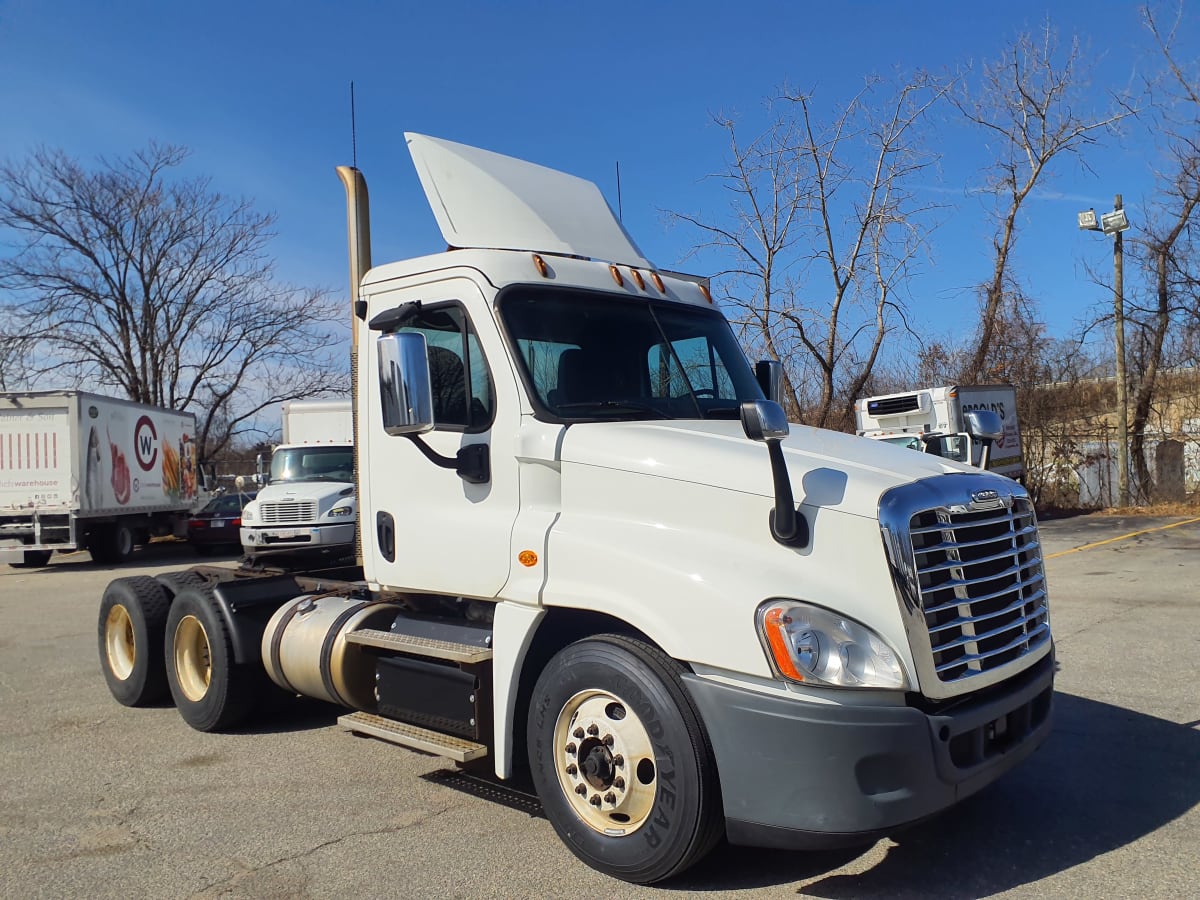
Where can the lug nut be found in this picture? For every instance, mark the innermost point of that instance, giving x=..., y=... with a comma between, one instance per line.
x=577, y=733
x=594, y=800
x=619, y=783
x=572, y=769
x=619, y=761
x=608, y=740
x=581, y=789
x=571, y=748
x=593, y=730
x=610, y=797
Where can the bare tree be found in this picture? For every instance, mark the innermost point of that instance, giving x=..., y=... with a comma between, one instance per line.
x=1167, y=247
x=824, y=231
x=1030, y=103
x=129, y=278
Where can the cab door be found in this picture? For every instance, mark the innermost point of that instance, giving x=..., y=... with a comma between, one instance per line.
x=425, y=528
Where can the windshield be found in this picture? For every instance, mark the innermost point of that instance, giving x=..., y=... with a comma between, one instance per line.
x=312, y=464
x=597, y=356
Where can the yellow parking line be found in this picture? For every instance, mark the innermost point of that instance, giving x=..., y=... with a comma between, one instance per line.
x=1122, y=537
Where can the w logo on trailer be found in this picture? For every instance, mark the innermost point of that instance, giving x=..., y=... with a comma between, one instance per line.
x=145, y=443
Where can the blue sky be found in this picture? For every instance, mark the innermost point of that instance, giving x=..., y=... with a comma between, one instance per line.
x=259, y=92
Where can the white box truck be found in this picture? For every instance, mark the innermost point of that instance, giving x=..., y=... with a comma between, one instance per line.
x=83, y=471
x=308, y=503
x=594, y=549
x=935, y=420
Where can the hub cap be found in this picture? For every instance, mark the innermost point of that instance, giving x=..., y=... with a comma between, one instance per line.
x=605, y=762
x=193, y=658
x=119, y=644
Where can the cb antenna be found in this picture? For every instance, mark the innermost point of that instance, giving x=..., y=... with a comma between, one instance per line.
x=353, y=131
x=620, y=212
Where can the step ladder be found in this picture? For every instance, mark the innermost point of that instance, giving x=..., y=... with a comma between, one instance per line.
x=413, y=736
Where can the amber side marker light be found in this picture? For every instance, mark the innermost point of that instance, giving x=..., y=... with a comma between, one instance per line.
x=774, y=623
x=542, y=268
x=527, y=558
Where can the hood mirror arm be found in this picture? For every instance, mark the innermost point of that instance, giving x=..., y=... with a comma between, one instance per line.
x=764, y=420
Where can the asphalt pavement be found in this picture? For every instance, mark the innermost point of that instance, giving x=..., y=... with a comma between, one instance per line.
x=97, y=800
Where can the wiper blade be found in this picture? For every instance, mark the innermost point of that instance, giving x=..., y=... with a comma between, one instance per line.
x=616, y=406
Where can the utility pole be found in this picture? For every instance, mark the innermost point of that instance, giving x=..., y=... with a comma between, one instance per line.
x=1122, y=385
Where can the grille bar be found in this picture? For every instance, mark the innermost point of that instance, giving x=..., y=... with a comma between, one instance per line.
x=978, y=542
x=1003, y=519
x=971, y=620
x=1042, y=630
x=995, y=632
x=973, y=561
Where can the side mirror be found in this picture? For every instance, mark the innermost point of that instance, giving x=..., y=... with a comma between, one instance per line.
x=405, y=391
x=769, y=375
x=984, y=425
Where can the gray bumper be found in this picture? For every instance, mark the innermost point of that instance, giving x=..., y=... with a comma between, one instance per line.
x=798, y=775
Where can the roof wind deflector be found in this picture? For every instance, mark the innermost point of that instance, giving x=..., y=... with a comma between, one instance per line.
x=485, y=200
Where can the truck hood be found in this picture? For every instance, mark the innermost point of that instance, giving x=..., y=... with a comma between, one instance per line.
x=828, y=469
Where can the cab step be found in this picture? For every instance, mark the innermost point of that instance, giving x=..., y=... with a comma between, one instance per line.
x=419, y=646
x=417, y=738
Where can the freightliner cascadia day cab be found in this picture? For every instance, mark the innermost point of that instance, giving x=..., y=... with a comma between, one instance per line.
x=308, y=504
x=83, y=471
x=592, y=545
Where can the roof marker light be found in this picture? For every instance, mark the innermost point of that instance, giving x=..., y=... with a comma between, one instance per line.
x=542, y=268
x=704, y=291
x=658, y=282
x=638, y=280
x=616, y=274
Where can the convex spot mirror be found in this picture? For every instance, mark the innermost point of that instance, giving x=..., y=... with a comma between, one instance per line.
x=984, y=424
x=764, y=420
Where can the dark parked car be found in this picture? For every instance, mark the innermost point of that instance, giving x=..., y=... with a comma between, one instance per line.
x=218, y=525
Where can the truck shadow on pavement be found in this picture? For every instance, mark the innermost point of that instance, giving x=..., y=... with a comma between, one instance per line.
x=1106, y=777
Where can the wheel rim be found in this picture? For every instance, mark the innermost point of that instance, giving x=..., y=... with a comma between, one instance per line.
x=605, y=763
x=119, y=644
x=193, y=658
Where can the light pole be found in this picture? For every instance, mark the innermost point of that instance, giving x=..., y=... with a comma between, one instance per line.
x=1114, y=223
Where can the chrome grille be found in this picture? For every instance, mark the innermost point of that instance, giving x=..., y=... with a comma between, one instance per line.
x=967, y=562
x=286, y=512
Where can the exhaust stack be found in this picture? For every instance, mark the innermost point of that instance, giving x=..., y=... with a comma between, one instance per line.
x=358, y=226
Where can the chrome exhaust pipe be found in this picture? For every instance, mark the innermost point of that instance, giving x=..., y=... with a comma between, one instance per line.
x=358, y=227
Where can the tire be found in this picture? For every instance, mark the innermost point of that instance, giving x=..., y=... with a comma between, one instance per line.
x=133, y=620
x=100, y=547
x=655, y=780
x=123, y=541
x=211, y=692
x=33, y=559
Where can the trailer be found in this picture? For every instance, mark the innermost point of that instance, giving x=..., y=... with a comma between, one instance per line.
x=84, y=471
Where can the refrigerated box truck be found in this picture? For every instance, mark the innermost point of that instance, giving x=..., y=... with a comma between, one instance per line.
x=84, y=471
x=935, y=419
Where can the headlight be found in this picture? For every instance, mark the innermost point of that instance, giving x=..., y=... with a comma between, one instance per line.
x=338, y=511
x=816, y=646
x=248, y=514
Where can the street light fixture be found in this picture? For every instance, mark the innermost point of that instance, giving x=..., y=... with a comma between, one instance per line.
x=1114, y=223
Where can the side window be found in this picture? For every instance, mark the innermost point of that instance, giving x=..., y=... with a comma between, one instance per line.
x=458, y=373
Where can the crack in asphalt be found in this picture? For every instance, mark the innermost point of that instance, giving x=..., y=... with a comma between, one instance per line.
x=218, y=887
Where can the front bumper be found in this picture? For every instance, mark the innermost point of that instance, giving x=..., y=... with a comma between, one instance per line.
x=801, y=775
x=296, y=537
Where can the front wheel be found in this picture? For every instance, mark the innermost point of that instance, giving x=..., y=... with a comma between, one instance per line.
x=211, y=691
x=621, y=761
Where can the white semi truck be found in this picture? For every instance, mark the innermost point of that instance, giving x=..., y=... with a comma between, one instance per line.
x=947, y=421
x=308, y=504
x=84, y=471
x=592, y=547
